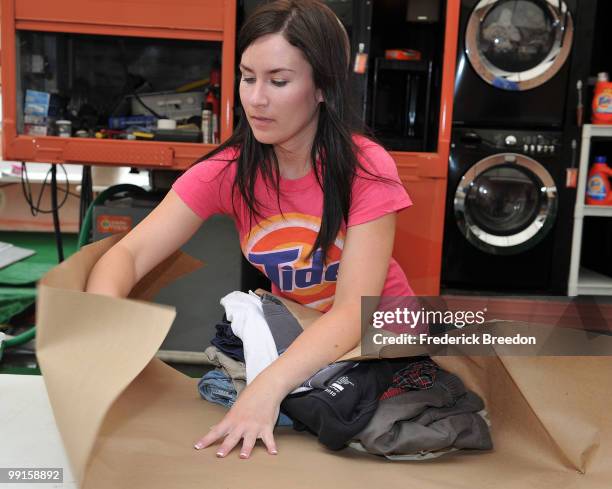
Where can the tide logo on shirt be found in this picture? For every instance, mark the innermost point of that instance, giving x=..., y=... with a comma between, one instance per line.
x=279, y=247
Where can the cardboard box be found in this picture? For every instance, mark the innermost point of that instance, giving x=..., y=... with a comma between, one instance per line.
x=41, y=103
x=127, y=420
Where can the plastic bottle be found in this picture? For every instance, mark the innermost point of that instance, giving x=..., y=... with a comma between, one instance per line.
x=215, y=77
x=207, y=137
x=602, y=100
x=598, y=190
x=213, y=101
x=213, y=97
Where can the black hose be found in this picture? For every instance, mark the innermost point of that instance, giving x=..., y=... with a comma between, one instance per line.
x=86, y=194
x=55, y=211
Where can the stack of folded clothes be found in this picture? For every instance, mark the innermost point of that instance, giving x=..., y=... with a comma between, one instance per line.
x=418, y=423
x=402, y=409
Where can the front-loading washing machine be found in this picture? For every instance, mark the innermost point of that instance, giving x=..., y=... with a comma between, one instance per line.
x=513, y=62
x=502, y=209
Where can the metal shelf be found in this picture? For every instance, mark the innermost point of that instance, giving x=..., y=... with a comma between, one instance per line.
x=593, y=283
x=402, y=65
x=597, y=131
x=597, y=210
x=581, y=280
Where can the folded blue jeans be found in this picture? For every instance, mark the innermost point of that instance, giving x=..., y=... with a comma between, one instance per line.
x=217, y=387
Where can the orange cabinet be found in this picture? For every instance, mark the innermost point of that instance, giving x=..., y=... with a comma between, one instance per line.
x=419, y=232
x=419, y=229
x=40, y=41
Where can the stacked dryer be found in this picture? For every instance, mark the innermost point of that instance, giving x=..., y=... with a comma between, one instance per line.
x=506, y=180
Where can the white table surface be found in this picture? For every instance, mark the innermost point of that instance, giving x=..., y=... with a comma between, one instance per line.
x=28, y=433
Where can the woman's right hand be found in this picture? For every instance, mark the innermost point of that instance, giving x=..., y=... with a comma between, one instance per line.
x=252, y=417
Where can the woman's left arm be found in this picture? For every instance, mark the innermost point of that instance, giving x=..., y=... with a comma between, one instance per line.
x=362, y=272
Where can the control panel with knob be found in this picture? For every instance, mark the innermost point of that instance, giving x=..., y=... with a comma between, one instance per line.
x=529, y=143
x=537, y=144
x=510, y=140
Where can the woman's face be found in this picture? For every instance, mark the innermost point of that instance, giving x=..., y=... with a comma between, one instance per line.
x=278, y=93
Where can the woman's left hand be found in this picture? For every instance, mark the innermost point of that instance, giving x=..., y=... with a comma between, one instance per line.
x=253, y=416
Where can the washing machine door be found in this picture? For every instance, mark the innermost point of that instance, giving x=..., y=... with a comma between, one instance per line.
x=506, y=204
x=518, y=44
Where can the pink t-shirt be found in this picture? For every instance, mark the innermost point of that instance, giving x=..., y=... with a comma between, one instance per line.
x=279, y=244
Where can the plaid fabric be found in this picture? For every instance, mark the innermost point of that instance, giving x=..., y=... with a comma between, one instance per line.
x=416, y=376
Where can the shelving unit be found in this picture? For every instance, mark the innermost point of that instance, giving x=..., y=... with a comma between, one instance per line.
x=583, y=281
x=205, y=21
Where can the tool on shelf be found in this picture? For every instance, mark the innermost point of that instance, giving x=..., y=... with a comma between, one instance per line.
x=571, y=173
x=580, y=105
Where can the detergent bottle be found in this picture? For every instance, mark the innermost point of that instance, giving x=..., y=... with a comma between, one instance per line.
x=213, y=97
x=602, y=100
x=598, y=187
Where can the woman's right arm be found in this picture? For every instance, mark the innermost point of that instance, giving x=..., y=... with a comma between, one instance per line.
x=162, y=232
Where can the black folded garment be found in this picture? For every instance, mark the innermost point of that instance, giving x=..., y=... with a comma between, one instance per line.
x=344, y=408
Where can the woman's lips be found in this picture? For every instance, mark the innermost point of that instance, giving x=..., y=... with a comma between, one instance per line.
x=260, y=121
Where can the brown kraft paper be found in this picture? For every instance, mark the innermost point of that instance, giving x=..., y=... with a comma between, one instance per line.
x=128, y=420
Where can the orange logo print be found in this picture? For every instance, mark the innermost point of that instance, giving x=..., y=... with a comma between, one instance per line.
x=279, y=247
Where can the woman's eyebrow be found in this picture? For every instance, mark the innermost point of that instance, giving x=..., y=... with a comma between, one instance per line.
x=275, y=70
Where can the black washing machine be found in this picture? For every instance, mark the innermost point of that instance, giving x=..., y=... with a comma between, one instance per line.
x=512, y=66
x=502, y=209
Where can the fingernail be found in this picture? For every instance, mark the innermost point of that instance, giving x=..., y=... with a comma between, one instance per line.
x=197, y=446
x=273, y=452
x=244, y=455
x=220, y=454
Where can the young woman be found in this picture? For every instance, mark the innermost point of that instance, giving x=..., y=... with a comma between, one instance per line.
x=314, y=204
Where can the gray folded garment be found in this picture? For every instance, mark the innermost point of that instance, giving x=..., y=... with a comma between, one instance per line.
x=283, y=325
x=285, y=328
x=444, y=416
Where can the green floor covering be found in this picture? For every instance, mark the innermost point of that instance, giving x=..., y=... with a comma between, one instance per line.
x=18, y=281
